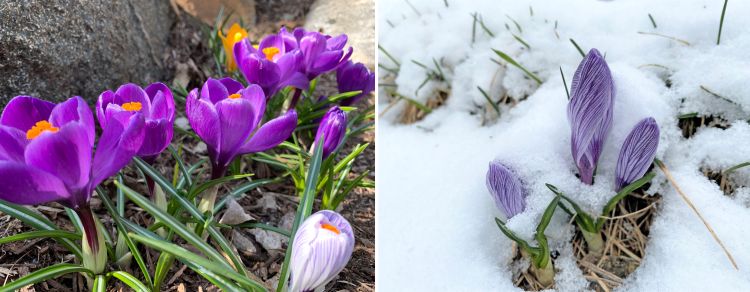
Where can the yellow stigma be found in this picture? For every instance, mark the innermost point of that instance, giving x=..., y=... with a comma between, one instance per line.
x=39, y=128
x=132, y=106
x=234, y=96
x=270, y=52
x=238, y=37
x=330, y=227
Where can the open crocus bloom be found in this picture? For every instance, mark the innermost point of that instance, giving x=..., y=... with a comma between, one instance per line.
x=273, y=66
x=46, y=156
x=155, y=103
x=322, y=53
x=227, y=117
x=322, y=247
x=236, y=33
x=354, y=77
x=592, y=95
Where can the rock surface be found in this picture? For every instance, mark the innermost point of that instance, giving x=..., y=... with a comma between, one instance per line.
x=56, y=49
x=356, y=18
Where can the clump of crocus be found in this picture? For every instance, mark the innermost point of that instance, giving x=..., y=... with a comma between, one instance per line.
x=322, y=53
x=274, y=65
x=636, y=156
x=46, y=154
x=637, y=153
x=227, y=117
x=322, y=247
x=236, y=34
x=332, y=130
x=354, y=77
x=509, y=196
x=590, y=112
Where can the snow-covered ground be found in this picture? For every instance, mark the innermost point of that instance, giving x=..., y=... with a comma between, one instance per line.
x=434, y=214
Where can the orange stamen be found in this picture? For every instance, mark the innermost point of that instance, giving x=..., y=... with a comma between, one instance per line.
x=270, y=52
x=330, y=227
x=234, y=96
x=133, y=106
x=39, y=128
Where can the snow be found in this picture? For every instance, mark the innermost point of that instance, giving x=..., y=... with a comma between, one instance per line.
x=435, y=216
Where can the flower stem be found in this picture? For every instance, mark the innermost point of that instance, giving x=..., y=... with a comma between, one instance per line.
x=295, y=98
x=94, y=251
x=595, y=243
x=545, y=275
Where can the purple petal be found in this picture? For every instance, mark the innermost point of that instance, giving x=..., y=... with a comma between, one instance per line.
x=312, y=45
x=133, y=93
x=637, y=153
x=75, y=109
x=65, y=154
x=505, y=189
x=162, y=101
x=104, y=100
x=323, y=246
x=119, y=142
x=272, y=41
x=326, y=61
x=271, y=133
x=232, y=86
x=204, y=120
x=337, y=42
x=213, y=90
x=254, y=94
x=22, y=112
x=236, y=124
x=590, y=112
x=21, y=184
x=158, y=135
x=12, y=144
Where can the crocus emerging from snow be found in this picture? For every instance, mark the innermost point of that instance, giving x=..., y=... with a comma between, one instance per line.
x=322, y=53
x=236, y=33
x=46, y=156
x=354, y=77
x=322, y=246
x=506, y=189
x=333, y=128
x=227, y=117
x=590, y=112
x=637, y=152
x=155, y=103
x=275, y=64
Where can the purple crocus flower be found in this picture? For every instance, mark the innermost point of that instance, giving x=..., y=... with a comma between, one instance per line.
x=506, y=189
x=637, y=153
x=322, y=247
x=353, y=77
x=273, y=65
x=46, y=156
x=590, y=112
x=322, y=53
x=227, y=117
x=332, y=128
x=155, y=103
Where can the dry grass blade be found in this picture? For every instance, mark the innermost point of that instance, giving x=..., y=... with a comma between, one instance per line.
x=690, y=204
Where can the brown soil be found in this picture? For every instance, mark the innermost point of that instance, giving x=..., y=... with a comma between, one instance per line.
x=690, y=125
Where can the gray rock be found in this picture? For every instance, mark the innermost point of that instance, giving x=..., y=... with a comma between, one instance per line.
x=54, y=49
x=356, y=18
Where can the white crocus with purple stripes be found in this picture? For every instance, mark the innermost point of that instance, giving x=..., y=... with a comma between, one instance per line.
x=637, y=153
x=505, y=189
x=322, y=247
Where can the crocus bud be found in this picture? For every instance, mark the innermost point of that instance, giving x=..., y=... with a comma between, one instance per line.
x=590, y=112
x=353, y=77
x=505, y=189
x=332, y=128
x=637, y=153
x=322, y=246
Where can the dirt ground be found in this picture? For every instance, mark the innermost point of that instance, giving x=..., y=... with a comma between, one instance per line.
x=272, y=204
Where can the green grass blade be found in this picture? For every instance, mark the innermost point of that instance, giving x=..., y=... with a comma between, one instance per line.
x=100, y=284
x=204, y=186
x=621, y=195
x=44, y=274
x=512, y=236
x=303, y=210
x=241, y=190
x=181, y=165
x=130, y=280
x=721, y=22
x=39, y=222
x=736, y=167
x=487, y=97
x=184, y=255
x=40, y=234
x=214, y=278
x=565, y=84
x=580, y=51
x=583, y=219
x=517, y=65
